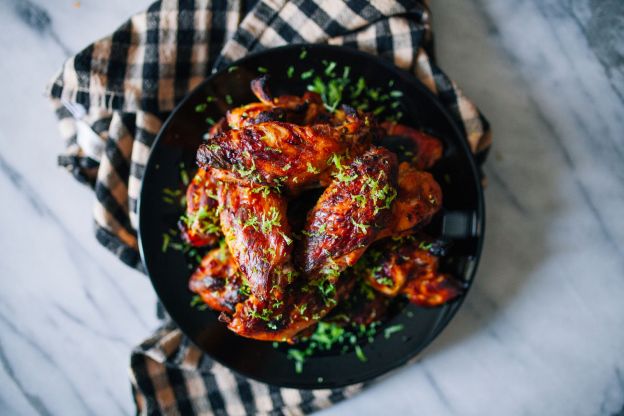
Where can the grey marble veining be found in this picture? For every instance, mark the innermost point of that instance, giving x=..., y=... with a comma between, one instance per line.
x=542, y=330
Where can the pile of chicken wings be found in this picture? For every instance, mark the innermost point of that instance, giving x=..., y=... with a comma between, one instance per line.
x=309, y=212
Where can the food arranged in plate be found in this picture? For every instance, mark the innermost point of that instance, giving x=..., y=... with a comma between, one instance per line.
x=310, y=214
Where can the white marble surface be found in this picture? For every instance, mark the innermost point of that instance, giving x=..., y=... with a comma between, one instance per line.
x=542, y=331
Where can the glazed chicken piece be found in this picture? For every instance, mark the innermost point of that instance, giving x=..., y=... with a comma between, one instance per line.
x=287, y=108
x=256, y=231
x=409, y=268
x=199, y=226
x=218, y=281
x=350, y=213
x=421, y=149
x=301, y=307
x=284, y=154
x=419, y=199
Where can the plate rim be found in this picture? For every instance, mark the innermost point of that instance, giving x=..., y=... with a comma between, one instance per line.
x=475, y=177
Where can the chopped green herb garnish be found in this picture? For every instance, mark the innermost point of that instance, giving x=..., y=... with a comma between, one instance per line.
x=198, y=302
x=312, y=169
x=165, y=243
x=184, y=177
x=360, y=354
x=392, y=329
x=307, y=74
x=271, y=220
x=424, y=245
x=228, y=99
x=201, y=107
x=210, y=121
x=288, y=240
x=359, y=199
x=303, y=54
x=291, y=71
x=262, y=70
x=329, y=69
x=360, y=226
x=386, y=281
x=232, y=68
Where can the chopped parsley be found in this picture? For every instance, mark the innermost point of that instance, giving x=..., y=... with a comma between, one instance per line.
x=273, y=219
x=392, y=329
x=198, y=302
x=361, y=227
x=307, y=74
x=312, y=169
x=165, y=243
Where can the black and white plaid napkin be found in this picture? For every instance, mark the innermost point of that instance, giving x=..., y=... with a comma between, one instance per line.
x=112, y=98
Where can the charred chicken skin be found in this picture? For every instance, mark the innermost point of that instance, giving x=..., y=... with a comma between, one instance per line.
x=422, y=149
x=351, y=212
x=256, y=231
x=284, y=155
x=419, y=199
x=410, y=269
x=272, y=282
x=199, y=226
x=218, y=281
x=304, y=110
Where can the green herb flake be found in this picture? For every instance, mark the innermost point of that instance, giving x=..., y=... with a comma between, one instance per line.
x=262, y=70
x=210, y=121
x=198, y=302
x=288, y=240
x=291, y=71
x=232, y=69
x=201, y=107
x=360, y=226
x=184, y=177
x=303, y=54
x=360, y=354
x=165, y=243
x=307, y=74
x=330, y=68
x=392, y=330
x=312, y=169
x=228, y=99
x=424, y=245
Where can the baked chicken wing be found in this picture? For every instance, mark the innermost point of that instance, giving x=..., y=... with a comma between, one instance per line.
x=256, y=231
x=351, y=212
x=409, y=268
x=285, y=155
x=419, y=199
x=421, y=149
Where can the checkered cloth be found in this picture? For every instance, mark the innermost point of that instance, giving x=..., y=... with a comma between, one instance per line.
x=112, y=98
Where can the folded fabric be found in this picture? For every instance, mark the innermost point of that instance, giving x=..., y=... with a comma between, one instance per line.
x=112, y=98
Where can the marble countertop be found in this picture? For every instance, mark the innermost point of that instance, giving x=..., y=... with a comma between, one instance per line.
x=541, y=332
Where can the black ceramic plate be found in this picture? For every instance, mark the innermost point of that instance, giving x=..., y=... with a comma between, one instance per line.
x=460, y=221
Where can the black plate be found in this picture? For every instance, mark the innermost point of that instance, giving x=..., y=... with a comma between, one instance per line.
x=461, y=220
